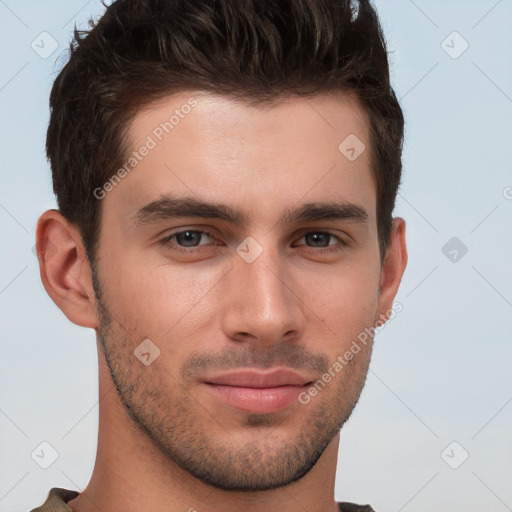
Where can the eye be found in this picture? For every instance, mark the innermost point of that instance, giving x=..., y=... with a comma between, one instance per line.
x=320, y=239
x=189, y=238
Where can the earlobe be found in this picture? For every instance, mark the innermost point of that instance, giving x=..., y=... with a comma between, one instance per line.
x=64, y=268
x=393, y=267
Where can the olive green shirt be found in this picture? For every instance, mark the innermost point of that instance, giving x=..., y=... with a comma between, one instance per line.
x=58, y=498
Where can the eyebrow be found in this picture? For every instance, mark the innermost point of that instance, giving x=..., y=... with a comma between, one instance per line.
x=170, y=207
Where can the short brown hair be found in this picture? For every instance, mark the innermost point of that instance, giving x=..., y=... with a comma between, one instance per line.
x=255, y=50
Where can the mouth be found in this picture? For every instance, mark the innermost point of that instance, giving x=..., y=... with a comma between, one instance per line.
x=258, y=392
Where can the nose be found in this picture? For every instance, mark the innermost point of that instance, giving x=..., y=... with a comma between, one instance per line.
x=262, y=305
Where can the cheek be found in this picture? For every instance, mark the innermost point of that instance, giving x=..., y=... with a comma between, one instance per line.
x=157, y=300
x=344, y=300
x=168, y=301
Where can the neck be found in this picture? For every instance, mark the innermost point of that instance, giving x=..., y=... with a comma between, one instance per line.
x=132, y=473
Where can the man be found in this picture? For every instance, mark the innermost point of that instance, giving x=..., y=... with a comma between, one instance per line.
x=226, y=173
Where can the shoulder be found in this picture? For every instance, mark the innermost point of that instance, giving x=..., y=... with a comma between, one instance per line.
x=57, y=500
x=352, y=507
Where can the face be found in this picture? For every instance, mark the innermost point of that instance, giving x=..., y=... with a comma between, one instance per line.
x=242, y=247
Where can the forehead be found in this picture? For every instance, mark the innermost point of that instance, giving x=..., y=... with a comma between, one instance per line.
x=214, y=116
x=259, y=158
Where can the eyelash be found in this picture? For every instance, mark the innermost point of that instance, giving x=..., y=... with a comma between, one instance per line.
x=166, y=242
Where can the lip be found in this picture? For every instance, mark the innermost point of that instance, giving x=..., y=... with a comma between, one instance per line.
x=258, y=392
x=257, y=379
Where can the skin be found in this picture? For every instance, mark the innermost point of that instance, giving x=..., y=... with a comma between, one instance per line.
x=164, y=438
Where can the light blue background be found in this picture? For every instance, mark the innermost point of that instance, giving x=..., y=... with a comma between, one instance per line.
x=441, y=370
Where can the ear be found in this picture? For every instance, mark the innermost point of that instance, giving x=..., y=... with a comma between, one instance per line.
x=65, y=270
x=393, y=267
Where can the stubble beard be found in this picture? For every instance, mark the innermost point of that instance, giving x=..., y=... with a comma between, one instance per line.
x=182, y=430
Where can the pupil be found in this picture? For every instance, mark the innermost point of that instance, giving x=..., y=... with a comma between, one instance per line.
x=188, y=236
x=319, y=237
